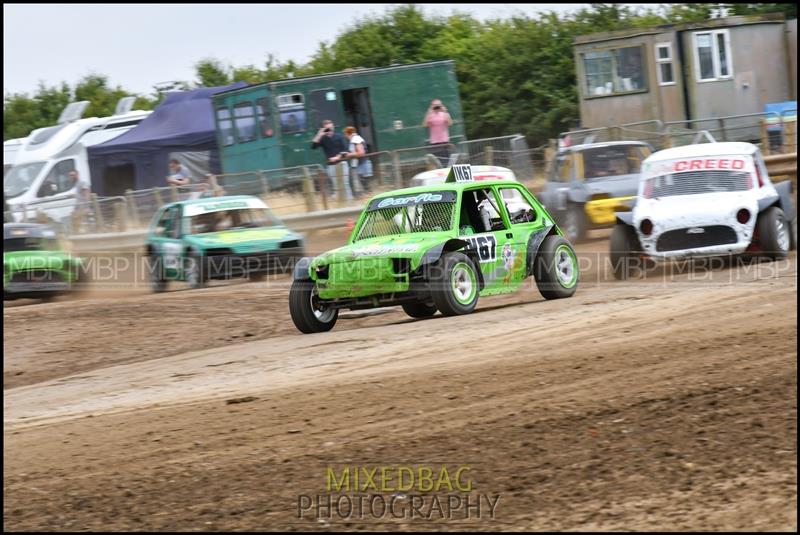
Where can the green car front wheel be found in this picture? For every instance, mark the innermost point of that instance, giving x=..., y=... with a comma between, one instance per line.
x=455, y=284
x=308, y=314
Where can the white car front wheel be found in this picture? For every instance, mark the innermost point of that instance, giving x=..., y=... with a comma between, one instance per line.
x=774, y=233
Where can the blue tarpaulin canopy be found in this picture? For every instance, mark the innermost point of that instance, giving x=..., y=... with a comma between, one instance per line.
x=139, y=158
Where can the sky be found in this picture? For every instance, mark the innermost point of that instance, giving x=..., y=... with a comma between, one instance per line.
x=138, y=46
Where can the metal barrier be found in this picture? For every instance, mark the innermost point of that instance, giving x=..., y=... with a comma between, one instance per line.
x=771, y=131
x=291, y=191
x=71, y=216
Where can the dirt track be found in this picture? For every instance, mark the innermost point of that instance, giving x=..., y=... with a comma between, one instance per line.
x=668, y=403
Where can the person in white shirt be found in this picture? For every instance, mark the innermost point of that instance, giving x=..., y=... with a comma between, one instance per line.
x=357, y=149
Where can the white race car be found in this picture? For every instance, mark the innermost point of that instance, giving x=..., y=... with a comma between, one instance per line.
x=517, y=207
x=709, y=199
x=479, y=172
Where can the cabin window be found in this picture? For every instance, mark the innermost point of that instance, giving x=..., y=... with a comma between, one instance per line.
x=292, y=113
x=666, y=75
x=58, y=180
x=264, y=117
x=244, y=121
x=712, y=56
x=610, y=72
x=225, y=125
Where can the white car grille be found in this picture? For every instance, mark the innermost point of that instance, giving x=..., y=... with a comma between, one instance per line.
x=696, y=182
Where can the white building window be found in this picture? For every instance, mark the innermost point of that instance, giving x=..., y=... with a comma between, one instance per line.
x=610, y=72
x=712, y=56
x=666, y=74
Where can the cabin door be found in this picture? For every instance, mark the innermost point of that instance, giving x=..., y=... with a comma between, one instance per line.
x=358, y=113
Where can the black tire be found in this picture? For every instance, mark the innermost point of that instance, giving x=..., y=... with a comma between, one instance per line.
x=305, y=316
x=419, y=310
x=793, y=234
x=194, y=270
x=455, y=284
x=623, y=251
x=158, y=279
x=556, y=268
x=575, y=223
x=773, y=233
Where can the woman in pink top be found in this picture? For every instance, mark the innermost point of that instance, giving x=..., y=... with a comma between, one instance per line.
x=438, y=122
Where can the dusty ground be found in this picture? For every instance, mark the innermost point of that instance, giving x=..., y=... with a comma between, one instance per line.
x=666, y=403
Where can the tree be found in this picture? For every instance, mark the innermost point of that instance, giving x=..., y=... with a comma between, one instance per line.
x=212, y=73
x=515, y=75
x=102, y=98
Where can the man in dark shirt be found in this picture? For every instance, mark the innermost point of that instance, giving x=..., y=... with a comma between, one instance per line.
x=334, y=145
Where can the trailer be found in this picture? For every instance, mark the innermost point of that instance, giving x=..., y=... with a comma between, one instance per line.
x=270, y=125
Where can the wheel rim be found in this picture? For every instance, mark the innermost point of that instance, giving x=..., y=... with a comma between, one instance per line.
x=566, y=268
x=782, y=233
x=325, y=316
x=463, y=283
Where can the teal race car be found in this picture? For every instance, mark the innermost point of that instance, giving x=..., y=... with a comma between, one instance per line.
x=436, y=248
x=35, y=265
x=218, y=238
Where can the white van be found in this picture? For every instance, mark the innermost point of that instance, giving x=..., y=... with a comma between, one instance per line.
x=39, y=181
x=10, y=149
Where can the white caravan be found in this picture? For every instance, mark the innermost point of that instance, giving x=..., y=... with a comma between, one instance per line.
x=10, y=149
x=39, y=181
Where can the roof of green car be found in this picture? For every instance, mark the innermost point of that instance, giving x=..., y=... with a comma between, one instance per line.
x=446, y=186
x=206, y=200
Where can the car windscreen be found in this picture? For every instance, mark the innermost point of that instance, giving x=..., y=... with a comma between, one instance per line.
x=697, y=176
x=12, y=245
x=604, y=162
x=230, y=219
x=403, y=214
x=20, y=178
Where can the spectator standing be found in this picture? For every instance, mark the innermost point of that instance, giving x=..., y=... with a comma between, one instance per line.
x=334, y=145
x=178, y=176
x=438, y=122
x=83, y=196
x=356, y=151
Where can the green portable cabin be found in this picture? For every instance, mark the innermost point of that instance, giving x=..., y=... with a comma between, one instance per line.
x=270, y=125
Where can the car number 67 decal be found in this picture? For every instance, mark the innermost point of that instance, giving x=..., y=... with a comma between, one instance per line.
x=486, y=246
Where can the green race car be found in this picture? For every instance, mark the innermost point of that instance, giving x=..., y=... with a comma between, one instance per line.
x=436, y=247
x=218, y=238
x=35, y=265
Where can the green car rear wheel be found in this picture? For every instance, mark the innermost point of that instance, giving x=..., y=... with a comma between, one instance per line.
x=556, y=268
